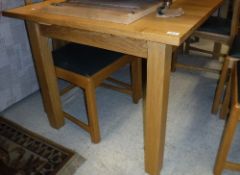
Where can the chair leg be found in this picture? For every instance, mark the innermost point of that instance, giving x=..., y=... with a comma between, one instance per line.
x=226, y=101
x=179, y=50
x=220, y=86
x=226, y=141
x=174, y=60
x=187, y=46
x=216, y=50
x=90, y=94
x=136, y=74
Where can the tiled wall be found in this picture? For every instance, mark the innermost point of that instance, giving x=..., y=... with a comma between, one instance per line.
x=17, y=74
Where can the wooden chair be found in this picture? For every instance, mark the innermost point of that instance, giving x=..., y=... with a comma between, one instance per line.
x=217, y=29
x=89, y=67
x=221, y=162
x=233, y=56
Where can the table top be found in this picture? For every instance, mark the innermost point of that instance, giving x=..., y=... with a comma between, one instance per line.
x=172, y=31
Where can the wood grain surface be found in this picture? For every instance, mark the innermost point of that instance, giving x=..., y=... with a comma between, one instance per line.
x=148, y=27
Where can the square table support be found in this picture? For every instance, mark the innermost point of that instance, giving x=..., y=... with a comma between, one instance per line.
x=158, y=73
x=46, y=75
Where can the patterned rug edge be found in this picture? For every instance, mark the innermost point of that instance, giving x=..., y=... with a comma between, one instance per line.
x=71, y=164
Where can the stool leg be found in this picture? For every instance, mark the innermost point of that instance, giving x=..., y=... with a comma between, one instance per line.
x=90, y=93
x=136, y=74
x=226, y=141
x=220, y=86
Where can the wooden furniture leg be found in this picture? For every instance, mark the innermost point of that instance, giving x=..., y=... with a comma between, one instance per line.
x=175, y=52
x=228, y=134
x=226, y=101
x=90, y=96
x=216, y=50
x=222, y=161
x=187, y=46
x=220, y=86
x=158, y=75
x=46, y=75
x=174, y=61
x=136, y=69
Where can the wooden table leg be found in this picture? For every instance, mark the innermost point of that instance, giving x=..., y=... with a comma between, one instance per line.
x=158, y=75
x=46, y=75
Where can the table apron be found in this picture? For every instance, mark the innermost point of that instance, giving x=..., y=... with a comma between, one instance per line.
x=121, y=44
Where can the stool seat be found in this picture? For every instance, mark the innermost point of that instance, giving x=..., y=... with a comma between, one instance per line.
x=216, y=25
x=84, y=60
x=235, y=48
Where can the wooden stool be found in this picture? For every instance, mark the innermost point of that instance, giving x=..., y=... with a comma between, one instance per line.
x=233, y=56
x=221, y=162
x=216, y=29
x=87, y=67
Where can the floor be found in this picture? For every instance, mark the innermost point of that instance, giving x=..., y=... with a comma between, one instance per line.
x=192, y=139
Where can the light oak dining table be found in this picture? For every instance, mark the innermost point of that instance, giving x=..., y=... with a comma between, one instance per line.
x=151, y=38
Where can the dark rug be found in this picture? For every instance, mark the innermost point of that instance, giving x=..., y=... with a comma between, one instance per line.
x=25, y=153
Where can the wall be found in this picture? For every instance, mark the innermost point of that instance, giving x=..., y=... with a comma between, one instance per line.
x=17, y=74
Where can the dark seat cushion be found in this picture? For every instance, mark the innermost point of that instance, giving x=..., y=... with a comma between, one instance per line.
x=84, y=60
x=217, y=25
x=235, y=48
